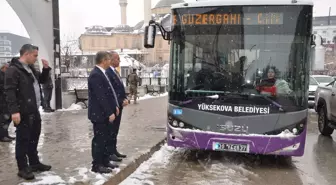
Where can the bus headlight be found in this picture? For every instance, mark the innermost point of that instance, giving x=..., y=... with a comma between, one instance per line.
x=181, y=124
x=295, y=131
x=175, y=123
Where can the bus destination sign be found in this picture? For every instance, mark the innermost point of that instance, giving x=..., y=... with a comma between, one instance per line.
x=230, y=19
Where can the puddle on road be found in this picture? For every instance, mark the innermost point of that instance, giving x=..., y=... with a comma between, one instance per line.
x=170, y=166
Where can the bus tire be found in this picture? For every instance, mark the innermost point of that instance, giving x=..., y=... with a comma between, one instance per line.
x=323, y=122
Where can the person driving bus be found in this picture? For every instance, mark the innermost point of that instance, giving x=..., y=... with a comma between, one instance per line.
x=273, y=86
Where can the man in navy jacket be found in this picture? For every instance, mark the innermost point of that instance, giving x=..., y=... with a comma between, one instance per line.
x=102, y=111
x=118, y=85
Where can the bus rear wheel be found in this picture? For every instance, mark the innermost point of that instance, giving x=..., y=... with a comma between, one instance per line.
x=323, y=122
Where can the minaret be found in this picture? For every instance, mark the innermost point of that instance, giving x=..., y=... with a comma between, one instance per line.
x=147, y=12
x=123, y=5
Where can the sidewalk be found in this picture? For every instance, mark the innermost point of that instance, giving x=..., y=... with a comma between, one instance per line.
x=65, y=143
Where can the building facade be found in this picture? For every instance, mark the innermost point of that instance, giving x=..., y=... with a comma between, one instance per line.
x=326, y=27
x=130, y=39
x=10, y=43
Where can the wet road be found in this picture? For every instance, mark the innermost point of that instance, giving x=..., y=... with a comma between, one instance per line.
x=171, y=166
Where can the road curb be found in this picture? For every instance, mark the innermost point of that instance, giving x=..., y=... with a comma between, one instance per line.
x=130, y=168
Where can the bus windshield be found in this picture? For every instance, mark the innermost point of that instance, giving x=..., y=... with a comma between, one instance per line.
x=242, y=49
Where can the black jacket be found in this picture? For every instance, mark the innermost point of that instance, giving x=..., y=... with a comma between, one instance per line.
x=3, y=104
x=19, y=88
x=48, y=84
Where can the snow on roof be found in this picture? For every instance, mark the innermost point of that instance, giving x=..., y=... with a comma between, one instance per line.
x=205, y=3
x=127, y=61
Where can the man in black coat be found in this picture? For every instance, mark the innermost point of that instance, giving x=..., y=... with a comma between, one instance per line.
x=4, y=114
x=102, y=111
x=24, y=95
x=47, y=93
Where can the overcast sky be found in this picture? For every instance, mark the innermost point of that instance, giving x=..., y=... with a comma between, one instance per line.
x=75, y=15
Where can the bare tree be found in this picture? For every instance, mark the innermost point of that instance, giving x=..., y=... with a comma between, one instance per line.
x=69, y=46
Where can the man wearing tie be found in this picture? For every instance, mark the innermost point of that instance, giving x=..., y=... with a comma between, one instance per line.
x=102, y=111
x=117, y=83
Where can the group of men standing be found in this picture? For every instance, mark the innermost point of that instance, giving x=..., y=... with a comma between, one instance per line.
x=107, y=99
x=21, y=97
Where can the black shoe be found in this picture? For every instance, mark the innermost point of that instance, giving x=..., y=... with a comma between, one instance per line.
x=52, y=110
x=120, y=155
x=26, y=173
x=115, y=158
x=6, y=139
x=40, y=167
x=101, y=169
x=110, y=165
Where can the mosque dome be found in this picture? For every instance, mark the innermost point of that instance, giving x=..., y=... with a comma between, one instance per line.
x=167, y=3
x=96, y=29
x=122, y=28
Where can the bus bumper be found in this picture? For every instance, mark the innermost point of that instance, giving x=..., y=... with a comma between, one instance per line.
x=255, y=144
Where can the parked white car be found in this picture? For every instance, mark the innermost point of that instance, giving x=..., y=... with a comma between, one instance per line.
x=314, y=82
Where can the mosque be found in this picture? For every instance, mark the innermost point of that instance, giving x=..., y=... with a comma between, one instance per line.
x=129, y=40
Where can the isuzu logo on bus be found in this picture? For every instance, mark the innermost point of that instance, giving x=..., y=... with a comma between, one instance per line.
x=229, y=126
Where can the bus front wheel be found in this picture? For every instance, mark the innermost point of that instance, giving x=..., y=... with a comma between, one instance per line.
x=323, y=122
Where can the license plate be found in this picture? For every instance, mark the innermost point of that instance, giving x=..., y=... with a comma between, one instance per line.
x=244, y=148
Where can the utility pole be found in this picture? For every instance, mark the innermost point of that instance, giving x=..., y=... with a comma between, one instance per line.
x=57, y=55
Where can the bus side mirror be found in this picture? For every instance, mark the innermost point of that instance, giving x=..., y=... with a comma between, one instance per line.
x=149, y=37
x=317, y=54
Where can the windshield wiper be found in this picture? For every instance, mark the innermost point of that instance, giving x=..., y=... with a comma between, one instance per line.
x=281, y=109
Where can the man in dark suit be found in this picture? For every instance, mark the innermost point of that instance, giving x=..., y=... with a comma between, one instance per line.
x=102, y=111
x=117, y=83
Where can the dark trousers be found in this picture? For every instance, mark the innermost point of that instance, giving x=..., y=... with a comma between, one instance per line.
x=100, y=143
x=27, y=138
x=47, y=93
x=5, y=120
x=113, y=131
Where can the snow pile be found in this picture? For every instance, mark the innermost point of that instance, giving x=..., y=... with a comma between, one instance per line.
x=72, y=107
x=45, y=178
x=286, y=134
x=86, y=175
x=311, y=111
x=159, y=159
x=148, y=96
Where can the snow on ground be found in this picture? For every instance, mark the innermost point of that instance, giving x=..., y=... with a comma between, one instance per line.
x=144, y=171
x=148, y=96
x=72, y=107
x=230, y=173
x=46, y=178
x=311, y=111
x=83, y=175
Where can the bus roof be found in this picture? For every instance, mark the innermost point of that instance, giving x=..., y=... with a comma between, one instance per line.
x=205, y=3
